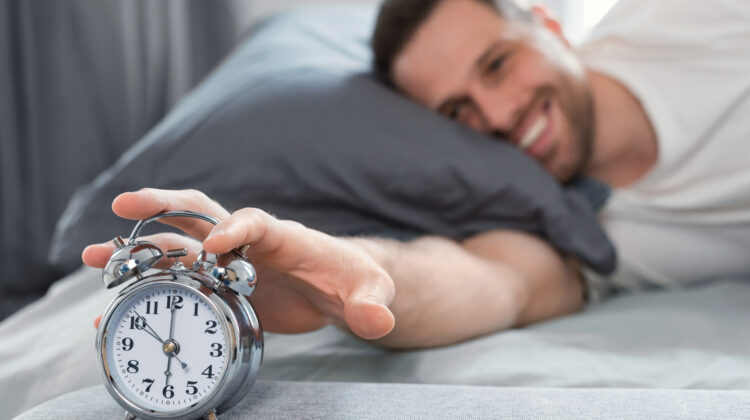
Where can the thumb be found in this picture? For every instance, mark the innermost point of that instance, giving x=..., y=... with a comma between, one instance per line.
x=367, y=314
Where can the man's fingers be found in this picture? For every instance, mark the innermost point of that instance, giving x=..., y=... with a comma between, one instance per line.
x=330, y=266
x=284, y=245
x=97, y=255
x=149, y=202
x=366, y=309
x=263, y=232
x=368, y=319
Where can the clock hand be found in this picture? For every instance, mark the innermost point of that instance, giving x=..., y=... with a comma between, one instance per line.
x=152, y=334
x=171, y=354
x=171, y=324
x=168, y=372
x=182, y=364
x=171, y=337
x=150, y=331
x=148, y=328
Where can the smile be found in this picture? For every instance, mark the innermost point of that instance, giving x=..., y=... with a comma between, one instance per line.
x=534, y=133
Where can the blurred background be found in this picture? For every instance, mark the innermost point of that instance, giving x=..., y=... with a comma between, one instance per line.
x=82, y=80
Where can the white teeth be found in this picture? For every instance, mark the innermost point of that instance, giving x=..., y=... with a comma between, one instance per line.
x=533, y=133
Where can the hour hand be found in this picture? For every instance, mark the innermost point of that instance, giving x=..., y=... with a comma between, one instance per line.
x=148, y=328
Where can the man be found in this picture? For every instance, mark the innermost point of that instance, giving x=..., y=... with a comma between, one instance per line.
x=655, y=104
x=625, y=115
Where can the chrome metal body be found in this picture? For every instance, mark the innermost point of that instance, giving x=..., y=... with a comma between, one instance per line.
x=130, y=261
x=243, y=329
x=135, y=258
x=222, y=280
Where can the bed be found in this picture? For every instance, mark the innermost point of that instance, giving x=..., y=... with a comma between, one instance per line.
x=633, y=356
x=653, y=354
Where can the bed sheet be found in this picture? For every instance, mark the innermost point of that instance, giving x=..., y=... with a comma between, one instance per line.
x=694, y=338
x=281, y=400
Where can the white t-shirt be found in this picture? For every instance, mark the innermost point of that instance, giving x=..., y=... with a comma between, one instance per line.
x=688, y=62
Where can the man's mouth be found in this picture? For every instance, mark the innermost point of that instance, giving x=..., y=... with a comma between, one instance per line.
x=534, y=132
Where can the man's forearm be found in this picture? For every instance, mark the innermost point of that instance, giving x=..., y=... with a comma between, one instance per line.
x=444, y=294
x=448, y=292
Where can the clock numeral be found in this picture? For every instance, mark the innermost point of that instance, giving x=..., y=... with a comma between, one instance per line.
x=208, y=372
x=217, y=350
x=148, y=307
x=175, y=301
x=168, y=391
x=192, y=388
x=137, y=323
x=195, y=311
x=127, y=344
x=211, y=327
x=149, y=382
x=133, y=366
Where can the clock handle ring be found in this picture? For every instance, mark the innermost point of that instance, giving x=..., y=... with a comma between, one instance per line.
x=178, y=213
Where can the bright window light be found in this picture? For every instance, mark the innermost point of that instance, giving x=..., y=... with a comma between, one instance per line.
x=577, y=16
x=594, y=11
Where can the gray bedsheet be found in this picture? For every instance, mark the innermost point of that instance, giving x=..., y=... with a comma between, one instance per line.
x=326, y=401
x=691, y=338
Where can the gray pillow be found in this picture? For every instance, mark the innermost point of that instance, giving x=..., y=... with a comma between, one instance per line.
x=294, y=122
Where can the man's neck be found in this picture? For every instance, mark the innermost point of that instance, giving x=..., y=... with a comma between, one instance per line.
x=624, y=145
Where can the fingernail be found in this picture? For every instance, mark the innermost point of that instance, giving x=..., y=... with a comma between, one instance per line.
x=218, y=231
x=151, y=195
x=371, y=300
x=213, y=233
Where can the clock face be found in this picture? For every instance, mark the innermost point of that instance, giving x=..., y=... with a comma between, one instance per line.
x=166, y=348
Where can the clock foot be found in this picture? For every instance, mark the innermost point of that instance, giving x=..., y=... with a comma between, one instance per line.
x=129, y=416
x=211, y=415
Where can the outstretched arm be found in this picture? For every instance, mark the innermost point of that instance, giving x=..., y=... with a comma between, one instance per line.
x=427, y=292
x=448, y=291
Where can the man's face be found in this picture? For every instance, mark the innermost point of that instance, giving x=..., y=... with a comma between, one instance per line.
x=511, y=79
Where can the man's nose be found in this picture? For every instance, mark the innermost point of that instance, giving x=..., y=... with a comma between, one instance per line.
x=499, y=110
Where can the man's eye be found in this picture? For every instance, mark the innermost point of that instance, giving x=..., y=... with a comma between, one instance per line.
x=455, y=112
x=496, y=64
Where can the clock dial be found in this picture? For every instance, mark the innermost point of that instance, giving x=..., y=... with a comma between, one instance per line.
x=162, y=372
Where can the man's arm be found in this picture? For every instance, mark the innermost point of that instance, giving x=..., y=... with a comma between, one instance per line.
x=448, y=292
x=427, y=292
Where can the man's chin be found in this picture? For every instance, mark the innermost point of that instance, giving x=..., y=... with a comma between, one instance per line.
x=562, y=173
x=567, y=163
x=551, y=164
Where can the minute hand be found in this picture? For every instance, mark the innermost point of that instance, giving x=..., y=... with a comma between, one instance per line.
x=171, y=337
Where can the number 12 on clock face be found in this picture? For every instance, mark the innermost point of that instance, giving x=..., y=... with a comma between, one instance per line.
x=168, y=349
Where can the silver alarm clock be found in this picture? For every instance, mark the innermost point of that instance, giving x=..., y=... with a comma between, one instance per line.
x=180, y=343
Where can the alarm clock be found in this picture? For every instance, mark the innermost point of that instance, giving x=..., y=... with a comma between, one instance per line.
x=181, y=342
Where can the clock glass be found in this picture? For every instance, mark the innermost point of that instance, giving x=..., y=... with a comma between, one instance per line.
x=166, y=348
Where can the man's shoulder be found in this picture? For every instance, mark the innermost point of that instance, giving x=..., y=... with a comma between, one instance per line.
x=681, y=27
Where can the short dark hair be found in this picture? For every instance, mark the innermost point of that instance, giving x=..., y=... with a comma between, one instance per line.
x=398, y=20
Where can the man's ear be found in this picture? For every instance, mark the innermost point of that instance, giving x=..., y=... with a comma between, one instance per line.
x=549, y=21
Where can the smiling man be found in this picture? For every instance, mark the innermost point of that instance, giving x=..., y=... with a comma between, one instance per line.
x=510, y=78
x=655, y=104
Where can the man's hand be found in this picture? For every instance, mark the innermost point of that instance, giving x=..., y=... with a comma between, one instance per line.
x=307, y=279
x=448, y=291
